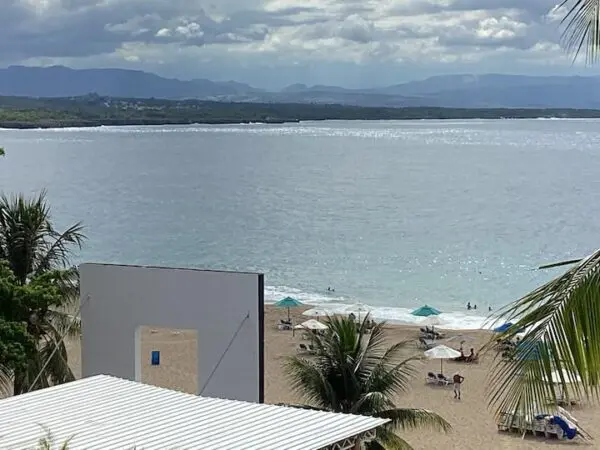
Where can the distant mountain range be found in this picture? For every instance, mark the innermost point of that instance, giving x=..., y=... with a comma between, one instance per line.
x=453, y=91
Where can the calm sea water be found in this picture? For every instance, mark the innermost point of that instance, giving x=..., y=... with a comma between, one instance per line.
x=392, y=214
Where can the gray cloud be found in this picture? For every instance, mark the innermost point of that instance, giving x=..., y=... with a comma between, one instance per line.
x=320, y=39
x=86, y=27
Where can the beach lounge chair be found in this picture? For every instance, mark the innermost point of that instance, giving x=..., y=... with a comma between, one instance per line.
x=443, y=380
x=302, y=348
x=431, y=378
x=425, y=343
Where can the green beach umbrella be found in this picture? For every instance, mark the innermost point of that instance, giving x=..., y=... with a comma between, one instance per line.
x=426, y=311
x=288, y=303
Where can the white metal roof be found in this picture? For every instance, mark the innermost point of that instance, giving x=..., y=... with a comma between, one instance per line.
x=104, y=412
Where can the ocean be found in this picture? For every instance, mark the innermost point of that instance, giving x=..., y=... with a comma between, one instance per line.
x=391, y=214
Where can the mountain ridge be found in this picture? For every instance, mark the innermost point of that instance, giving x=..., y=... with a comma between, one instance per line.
x=453, y=91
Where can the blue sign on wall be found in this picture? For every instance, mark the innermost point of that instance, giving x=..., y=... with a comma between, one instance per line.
x=155, y=358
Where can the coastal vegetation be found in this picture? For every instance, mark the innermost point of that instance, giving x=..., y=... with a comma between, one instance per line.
x=561, y=336
x=38, y=287
x=355, y=372
x=94, y=110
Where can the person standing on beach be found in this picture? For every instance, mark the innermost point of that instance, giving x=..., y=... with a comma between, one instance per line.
x=457, y=379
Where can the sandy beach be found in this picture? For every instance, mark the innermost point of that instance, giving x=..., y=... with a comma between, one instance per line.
x=473, y=423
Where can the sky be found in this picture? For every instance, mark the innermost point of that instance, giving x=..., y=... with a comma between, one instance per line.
x=274, y=43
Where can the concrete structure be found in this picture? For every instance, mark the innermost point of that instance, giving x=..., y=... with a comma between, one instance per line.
x=226, y=309
x=106, y=413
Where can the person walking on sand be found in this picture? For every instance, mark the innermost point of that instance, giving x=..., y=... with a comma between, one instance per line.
x=457, y=379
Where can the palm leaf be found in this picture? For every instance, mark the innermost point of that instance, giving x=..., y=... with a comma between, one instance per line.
x=54, y=355
x=6, y=382
x=59, y=252
x=562, y=334
x=387, y=440
x=559, y=264
x=308, y=381
x=408, y=418
x=582, y=28
x=65, y=324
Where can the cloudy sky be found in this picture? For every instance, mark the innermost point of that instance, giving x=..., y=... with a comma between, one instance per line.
x=272, y=43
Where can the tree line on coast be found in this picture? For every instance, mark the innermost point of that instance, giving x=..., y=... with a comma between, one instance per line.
x=94, y=110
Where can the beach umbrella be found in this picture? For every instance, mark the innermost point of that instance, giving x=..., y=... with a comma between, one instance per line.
x=557, y=377
x=357, y=308
x=432, y=320
x=426, y=311
x=504, y=327
x=288, y=303
x=312, y=324
x=316, y=312
x=442, y=352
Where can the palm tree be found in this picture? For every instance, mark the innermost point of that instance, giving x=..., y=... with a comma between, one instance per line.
x=36, y=252
x=562, y=336
x=357, y=373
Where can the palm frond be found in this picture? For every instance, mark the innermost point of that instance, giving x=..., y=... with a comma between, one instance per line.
x=64, y=323
x=408, y=418
x=582, y=28
x=392, y=374
x=310, y=383
x=6, y=382
x=59, y=252
x=47, y=442
x=559, y=264
x=387, y=440
x=560, y=320
x=54, y=355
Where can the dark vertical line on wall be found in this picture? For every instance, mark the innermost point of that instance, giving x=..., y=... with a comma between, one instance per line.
x=261, y=338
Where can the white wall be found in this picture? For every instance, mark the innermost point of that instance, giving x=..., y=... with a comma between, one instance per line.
x=116, y=300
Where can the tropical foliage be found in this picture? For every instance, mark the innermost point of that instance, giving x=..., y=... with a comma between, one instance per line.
x=560, y=321
x=39, y=289
x=582, y=28
x=48, y=442
x=356, y=372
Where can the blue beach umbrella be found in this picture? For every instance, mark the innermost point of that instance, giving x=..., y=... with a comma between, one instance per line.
x=426, y=311
x=504, y=327
x=288, y=303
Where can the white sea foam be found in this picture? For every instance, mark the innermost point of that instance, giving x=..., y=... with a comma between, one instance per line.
x=451, y=320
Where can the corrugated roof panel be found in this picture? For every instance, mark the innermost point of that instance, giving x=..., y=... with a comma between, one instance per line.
x=106, y=413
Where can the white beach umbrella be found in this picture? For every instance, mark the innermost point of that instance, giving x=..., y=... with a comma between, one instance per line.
x=442, y=352
x=312, y=324
x=432, y=320
x=316, y=312
x=567, y=376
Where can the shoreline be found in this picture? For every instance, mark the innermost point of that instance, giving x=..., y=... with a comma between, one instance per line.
x=62, y=124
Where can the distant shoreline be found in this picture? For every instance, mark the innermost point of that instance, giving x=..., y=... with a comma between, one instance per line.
x=95, y=111
x=115, y=123
x=49, y=124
